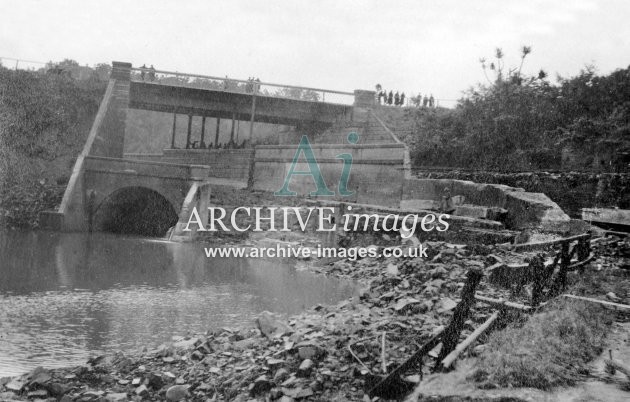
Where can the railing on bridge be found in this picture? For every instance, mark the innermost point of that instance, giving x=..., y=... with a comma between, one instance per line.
x=233, y=85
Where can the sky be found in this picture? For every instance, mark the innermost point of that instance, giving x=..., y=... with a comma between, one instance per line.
x=431, y=47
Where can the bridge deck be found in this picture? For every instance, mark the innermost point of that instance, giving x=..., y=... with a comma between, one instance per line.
x=225, y=104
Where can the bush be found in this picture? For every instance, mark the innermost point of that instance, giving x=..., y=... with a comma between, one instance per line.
x=518, y=122
x=44, y=121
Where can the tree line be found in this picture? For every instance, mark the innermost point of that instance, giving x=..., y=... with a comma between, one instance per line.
x=519, y=122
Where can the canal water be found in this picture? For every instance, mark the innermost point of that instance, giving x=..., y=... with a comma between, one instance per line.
x=67, y=296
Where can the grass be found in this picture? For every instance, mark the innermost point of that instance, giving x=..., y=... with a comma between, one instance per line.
x=550, y=349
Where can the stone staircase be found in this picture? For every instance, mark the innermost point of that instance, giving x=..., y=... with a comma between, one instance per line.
x=370, y=132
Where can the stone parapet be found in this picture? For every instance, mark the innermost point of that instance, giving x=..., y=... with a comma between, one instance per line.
x=363, y=98
x=121, y=71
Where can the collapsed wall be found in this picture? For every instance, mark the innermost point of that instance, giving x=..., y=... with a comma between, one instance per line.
x=515, y=207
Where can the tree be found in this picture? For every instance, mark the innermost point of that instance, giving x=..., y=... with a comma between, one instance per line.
x=297, y=93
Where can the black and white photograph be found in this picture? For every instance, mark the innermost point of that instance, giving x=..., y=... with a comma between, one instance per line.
x=314, y=200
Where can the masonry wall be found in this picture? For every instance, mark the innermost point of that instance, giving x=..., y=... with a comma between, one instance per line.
x=110, y=138
x=376, y=176
x=223, y=163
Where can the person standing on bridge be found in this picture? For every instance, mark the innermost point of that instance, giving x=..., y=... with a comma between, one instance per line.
x=151, y=73
x=397, y=99
x=417, y=100
x=379, y=91
x=142, y=69
x=390, y=98
x=431, y=101
x=402, y=99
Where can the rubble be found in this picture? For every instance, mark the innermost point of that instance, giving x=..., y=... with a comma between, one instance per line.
x=306, y=357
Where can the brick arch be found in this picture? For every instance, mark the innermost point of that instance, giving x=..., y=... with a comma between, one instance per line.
x=134, y=209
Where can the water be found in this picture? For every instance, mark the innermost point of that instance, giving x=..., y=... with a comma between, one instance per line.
x=65, y=297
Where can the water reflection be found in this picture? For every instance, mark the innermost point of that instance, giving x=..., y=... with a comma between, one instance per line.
x=64, y=297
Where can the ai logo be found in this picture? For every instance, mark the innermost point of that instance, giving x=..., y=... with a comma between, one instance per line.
x=313, y=170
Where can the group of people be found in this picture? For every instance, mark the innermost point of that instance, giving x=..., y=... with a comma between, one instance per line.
x=228, y=145
x=424, y=102
x=147, y=72
x=396, y=99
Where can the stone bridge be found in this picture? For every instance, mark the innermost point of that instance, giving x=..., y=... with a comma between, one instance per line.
x=99, y=193
x=108, y=190
x=104, y=176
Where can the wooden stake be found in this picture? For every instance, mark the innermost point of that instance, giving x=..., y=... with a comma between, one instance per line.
x=448, y=360
x=394, y=376
x=602, y=302
x=383, y=362
x=502, y=303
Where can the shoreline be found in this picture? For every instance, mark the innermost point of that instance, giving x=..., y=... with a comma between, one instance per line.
x=328, y=352
x=305, y=356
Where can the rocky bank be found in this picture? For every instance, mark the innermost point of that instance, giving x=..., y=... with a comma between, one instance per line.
x=328, y=353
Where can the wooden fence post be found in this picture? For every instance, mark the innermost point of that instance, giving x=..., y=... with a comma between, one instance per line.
x=538, y=270
x=450, y=336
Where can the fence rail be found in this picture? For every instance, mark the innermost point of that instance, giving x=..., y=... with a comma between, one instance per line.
x=468, y=170
x=21, y=64
x=253, y=87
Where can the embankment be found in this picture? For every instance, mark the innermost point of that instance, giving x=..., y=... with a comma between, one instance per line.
x=44, y=121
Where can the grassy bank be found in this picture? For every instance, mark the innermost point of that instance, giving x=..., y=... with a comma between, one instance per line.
x=549, y=349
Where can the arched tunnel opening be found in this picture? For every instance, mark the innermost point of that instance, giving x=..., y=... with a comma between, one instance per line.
x=135, y=210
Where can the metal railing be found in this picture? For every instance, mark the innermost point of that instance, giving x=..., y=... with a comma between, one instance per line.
x=234, y=85
x=21, y=64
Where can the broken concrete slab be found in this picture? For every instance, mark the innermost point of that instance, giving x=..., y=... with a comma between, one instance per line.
x=524, y=209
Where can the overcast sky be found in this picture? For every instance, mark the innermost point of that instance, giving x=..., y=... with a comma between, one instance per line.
x=428, y=46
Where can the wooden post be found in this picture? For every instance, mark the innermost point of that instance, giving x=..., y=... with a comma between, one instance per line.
x=173, y=134
x=189, y=129
x=384, y=387
x=538, y=270
x=251, y=121
x=232, y=132
x=450, y=338
x=583, y=251
x=216, y=135
x=202, y=143
x=565, y=261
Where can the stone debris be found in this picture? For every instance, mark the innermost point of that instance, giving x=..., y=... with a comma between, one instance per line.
x=117, y=397
x=176, y=393
x=326, y=353
x=305, y=368
x=271, y=326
